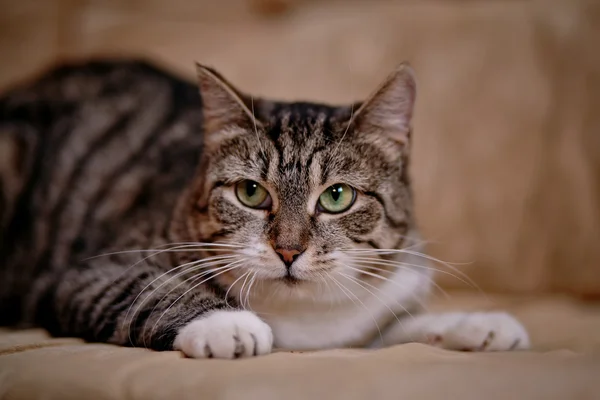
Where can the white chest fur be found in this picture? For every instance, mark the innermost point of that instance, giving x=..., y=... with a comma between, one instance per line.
x=355, y=320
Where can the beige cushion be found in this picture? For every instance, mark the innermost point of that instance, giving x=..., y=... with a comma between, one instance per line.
x=564, y=364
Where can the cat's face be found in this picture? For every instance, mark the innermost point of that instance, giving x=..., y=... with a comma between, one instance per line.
x=295, y=187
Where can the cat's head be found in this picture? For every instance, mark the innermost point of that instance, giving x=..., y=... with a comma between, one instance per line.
x=295, y=188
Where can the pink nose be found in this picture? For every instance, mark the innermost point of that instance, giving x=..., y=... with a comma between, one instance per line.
x=287, y=255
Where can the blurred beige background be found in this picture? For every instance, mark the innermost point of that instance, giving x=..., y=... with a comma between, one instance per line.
x=506, y=159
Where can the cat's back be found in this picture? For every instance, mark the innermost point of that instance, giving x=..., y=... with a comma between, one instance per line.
x=86, y=148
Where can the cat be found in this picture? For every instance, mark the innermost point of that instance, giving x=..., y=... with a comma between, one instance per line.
x=140, y=211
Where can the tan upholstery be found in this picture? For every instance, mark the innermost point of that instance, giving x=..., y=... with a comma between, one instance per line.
x=33, y=366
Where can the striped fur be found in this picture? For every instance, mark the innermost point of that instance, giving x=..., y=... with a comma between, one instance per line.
x=117, y=155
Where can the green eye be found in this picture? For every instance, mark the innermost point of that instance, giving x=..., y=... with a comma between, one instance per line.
x=252, y=194
x=336, y=198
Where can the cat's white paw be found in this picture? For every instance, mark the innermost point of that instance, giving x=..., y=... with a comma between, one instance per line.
x=225, y=334
x=484, y=332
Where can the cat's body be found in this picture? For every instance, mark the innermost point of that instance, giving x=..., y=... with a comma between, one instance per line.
x=117, y=156
x=97, y=148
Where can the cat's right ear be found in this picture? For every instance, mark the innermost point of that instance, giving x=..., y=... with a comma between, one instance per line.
x=224, y=108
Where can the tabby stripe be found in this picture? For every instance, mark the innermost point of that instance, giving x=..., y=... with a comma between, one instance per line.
x=109, y=182
x=109, y=315
x=96, y=300
x=367, y=241
x=275, y=128
x=98, y=307
x=310, y=160
x=68, y=190
x=140, y=320
x=399, y=242
x=393, y=223
x=135, y=136
x=41, y=116
x=79, y=300
x=373, y=244
x=68, y=120
x=69, y=173
x=218, y=234
x=110, y=323
x=70, y=307
x=82, y=316
x=218, y=291
x=280, y=159
x=20, y=224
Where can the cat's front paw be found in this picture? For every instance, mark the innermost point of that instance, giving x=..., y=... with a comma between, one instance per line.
x=485, y=332
x=225, y=334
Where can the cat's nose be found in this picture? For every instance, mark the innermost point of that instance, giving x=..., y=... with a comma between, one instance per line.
x=288, y=256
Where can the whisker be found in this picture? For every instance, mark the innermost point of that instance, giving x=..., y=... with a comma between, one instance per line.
x=188, y=264
x=464, y=278
x=379, y=290
x=343, y=287
x=171, y=249
x=248, y=291
x=361, y=284
x=256, y=129
x=156, y=252
x=398, y=264
x=233, y=284
x=324, y=280
x=230, y=266
x=241, y=294
x=191, y=266
x=183, y=247
x=391, y=251
x=407, y=250
x=368, y=264
x=191, y=279
x=383, y=278
x=227, y=241
x=378, y=299
x=332, y=300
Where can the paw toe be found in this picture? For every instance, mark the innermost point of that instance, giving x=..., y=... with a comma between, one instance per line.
x=225, y=334
x=487, y=332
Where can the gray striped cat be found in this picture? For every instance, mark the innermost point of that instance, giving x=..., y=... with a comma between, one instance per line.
x=138, y=212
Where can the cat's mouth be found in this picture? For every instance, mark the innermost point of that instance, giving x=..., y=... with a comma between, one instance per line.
x=290, y=279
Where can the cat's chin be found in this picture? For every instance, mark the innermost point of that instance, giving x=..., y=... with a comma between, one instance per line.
x=293, y=281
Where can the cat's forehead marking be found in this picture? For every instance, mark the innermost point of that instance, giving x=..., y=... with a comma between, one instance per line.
x=303, y=137
x=307, y=146
x=296, y=136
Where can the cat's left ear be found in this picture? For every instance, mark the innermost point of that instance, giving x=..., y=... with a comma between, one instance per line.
x=223, y=106
x=389, y=109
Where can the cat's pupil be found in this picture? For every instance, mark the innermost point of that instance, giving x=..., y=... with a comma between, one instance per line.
x=251, y=188
x=336, y=192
